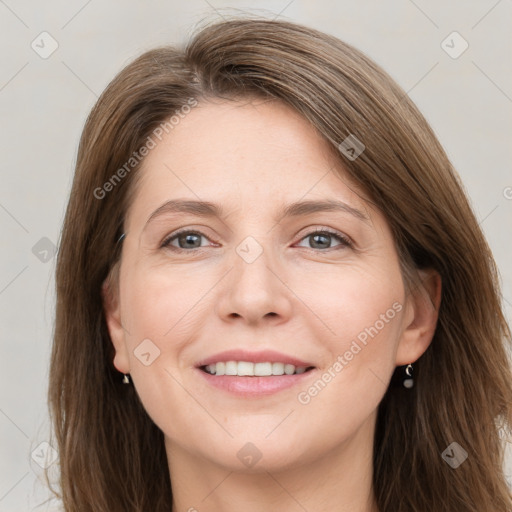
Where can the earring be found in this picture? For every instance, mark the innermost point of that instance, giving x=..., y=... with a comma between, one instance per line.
x=126, y=379
x=408, y=381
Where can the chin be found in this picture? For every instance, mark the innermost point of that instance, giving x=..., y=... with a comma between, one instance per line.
x=253, y=454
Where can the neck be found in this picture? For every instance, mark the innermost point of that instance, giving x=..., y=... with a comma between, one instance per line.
x=340, y=479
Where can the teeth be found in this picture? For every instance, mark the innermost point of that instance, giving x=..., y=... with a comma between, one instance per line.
x=247, y=369
x=277, y=368
x=289, y=369
x=220, y=369
x=231, y=368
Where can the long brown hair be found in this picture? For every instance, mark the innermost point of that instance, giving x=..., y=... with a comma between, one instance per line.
x=112, y=456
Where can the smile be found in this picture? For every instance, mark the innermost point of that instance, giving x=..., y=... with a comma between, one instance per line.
x=249, y=369
x=247, y=374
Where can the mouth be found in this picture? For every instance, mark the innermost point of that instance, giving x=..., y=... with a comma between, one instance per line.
x=250, y=369
x=254, y=374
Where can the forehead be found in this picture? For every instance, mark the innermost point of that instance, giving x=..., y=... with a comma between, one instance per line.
x=255, y=153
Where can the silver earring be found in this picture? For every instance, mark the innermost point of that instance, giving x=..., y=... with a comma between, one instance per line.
x=408, y=381
x=126, y=379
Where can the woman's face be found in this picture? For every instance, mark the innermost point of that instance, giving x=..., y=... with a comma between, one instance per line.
x=286, y=269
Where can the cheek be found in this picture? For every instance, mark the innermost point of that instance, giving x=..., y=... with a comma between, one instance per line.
x=363, y=309
x=161, y=320
x=159, y=303
x=353, y=302
x=164, y=312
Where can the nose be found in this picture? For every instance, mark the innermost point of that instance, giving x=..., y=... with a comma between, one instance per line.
x=254, y=292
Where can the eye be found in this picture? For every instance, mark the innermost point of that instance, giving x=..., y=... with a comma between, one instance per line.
x=190, y=239
x=184, y=240
x=322, y=239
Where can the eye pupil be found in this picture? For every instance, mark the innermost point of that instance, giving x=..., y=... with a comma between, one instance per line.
x=321, y=241
x=189, y=240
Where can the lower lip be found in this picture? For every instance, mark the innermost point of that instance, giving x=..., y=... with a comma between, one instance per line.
x=254, y=386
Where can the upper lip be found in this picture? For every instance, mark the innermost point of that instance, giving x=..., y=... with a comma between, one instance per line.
x=253, y=357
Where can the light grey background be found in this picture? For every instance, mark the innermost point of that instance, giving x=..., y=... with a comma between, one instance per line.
x=44, y=103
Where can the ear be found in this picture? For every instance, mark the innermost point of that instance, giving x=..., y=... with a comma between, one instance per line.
x=421, y=315
x=112, y=309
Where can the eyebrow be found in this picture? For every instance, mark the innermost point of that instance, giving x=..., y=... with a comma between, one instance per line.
x=297, y=209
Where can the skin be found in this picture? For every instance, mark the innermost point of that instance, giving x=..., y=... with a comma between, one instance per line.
x=303, y=299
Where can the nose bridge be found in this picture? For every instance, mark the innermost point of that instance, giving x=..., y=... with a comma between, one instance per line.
x=251, y=273
x=254, y=291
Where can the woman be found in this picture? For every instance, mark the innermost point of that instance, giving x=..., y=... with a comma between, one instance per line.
x=272, y=293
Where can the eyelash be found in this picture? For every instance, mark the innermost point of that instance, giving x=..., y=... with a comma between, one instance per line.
x=345, y=241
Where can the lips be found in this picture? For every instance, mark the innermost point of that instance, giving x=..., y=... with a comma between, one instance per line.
x=263, y=356
x=253, y=374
